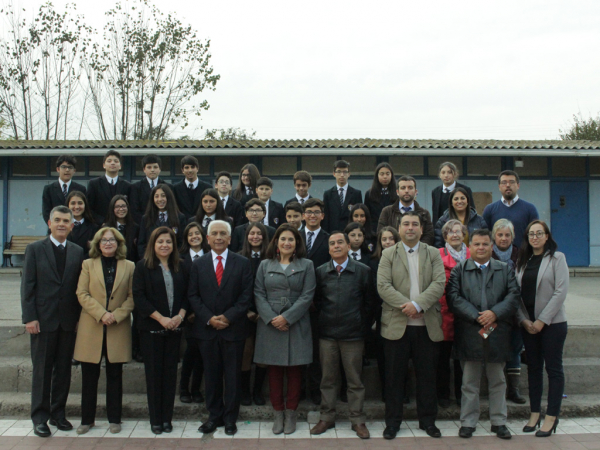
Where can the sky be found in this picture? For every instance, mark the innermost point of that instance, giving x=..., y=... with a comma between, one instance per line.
x=392, y=69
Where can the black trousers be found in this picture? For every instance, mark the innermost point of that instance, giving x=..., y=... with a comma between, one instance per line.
x=223, y=369
x=546, y=348
x=415, y=345
x=191, y=367
x=161, y=356
x=90, y=374
x=443, y=372
x=314, y=373
x=51, y=354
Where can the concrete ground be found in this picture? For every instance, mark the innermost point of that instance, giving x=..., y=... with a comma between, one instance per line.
x=583, y=301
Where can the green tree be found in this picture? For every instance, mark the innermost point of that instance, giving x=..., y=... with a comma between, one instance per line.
x=222, y=134
x=582, y=129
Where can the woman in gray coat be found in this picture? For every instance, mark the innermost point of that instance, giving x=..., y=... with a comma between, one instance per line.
x=283, y=292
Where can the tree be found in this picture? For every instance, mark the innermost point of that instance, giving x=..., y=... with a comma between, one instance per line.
x=39, y=72
x=145, y=77
x=222, y=134
x=582, y=129
x=3, y=126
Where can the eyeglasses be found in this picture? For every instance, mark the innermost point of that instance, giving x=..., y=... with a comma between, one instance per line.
x=508, y=183
x=537, y=234
x=245, y=175
x=255, y=211
x=108, y=241
x=121, y=207
x=224, y=182
x=341, y=172
x=455, y=233
x=67, y=167
x=313, y=213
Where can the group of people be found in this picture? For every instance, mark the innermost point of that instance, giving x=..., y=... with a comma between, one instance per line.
x=305, y=292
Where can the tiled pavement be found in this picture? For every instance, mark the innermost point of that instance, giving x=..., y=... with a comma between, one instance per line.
x=578, y=433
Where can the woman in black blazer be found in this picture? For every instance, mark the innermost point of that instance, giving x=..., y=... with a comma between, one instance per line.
x=194, y=246
x=85, y=227
x=382, y=193
x=161, y=211
x=211, y=207
x=440, y=196
x=160, y=285
x=119, y=216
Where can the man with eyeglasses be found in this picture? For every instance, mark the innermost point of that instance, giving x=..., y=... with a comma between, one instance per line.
x=510, y=206
x=255, y=212
x=233, y=208
x=55, y=194
x=339, y=199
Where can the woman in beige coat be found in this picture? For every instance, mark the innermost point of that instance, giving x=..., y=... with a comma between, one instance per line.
x=105, y=294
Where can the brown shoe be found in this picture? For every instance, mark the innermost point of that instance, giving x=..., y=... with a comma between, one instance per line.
x=322, y=427
x=361, y=430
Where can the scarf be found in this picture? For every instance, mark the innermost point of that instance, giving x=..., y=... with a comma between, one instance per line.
x=458, y=256
x=505, y=255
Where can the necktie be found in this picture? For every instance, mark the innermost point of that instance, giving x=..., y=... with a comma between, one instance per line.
x=301, y=201
x=112, y=181
x=256, y=255
x=411, y=251
x=249, y=191
x=65, y=191
x=61, y=247
x=196, y=257
x=121, y=227
x=191, y=186
x=484, y=304
x=355, y=255
x=338, y=268
x=151, y=184
x=163, y=217
x=384, y=191
x=342, y=196
x=207, y=221
x=77, y=223
x=309, y=241
x=219, y=272
x=405, y=209
x=446, y=191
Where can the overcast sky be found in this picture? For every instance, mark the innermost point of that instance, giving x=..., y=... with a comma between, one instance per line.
x=392, y=69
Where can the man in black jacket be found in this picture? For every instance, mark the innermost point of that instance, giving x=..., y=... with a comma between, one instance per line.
x=255, y=212
x=187, y=192
x=140, y=191
x=340, y=198
x=484, y=296
x=343, y=300
x=233, y=208
x=56, y=193
x=101, y=190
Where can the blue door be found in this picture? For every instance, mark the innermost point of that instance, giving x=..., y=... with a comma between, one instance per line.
x=569, y=204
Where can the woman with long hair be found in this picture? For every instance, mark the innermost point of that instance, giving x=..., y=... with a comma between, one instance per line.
x=254, y=248
x=459, y=208
x=382, y=192
x=246, y=187
x=120, y=216
x=283, y=293
x=162, y=211
x=543, y=275
x=210, y=208
x=360, y=213
x=84, y=224
x=359, y=250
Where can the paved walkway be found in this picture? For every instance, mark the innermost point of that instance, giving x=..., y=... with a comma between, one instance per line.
x=572, y=434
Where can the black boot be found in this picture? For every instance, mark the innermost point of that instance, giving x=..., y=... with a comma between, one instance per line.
x=246, y=397
x=260, y=374
x=512, y=388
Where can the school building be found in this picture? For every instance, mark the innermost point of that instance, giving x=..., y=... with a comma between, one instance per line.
x=562, y=178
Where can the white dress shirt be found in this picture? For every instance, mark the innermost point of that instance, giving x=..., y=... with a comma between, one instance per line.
x=57, y=243
x=195, y=183
x=216, y=261
x=509, y=203
x=110, y=180
x=449, y=188
x=61, y=183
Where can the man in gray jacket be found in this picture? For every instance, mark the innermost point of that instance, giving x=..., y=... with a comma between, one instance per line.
x=484, y=296
x=343, y=299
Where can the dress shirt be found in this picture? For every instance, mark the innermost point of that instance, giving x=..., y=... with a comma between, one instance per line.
x=57, y=243
x=216, y=261
x=449, y=188
x=80, y=221
x=416, y=251
x=152, y=181
x=486, y=264
x=194, y=183
x=358, y=254
x=255, y=254
x=316, y=233
x=213, y=217
x=344, y=264
x=110, y=180
x=412, y=206
x=166, y=215
x=193, y=253
x=68, y=183
x=345, y=188
x=510, y=203
x=224, y=200
x=302, y=198
x=265, y=221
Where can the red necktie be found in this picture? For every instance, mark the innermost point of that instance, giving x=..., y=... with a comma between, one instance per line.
x=219, y=271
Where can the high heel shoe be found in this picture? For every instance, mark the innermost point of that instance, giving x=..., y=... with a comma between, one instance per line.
x=540, y=433
x=528, y=429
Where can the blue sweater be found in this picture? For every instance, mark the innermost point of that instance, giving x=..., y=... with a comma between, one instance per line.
x=521, y=214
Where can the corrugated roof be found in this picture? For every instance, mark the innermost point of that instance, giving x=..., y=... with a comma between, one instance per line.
x=366, y=143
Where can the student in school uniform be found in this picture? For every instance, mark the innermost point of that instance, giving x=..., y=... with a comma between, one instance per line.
x=246, y=188
x=293, y=215
x=382, y=193
x=358, y=246
x=255, y=212
x=210, y=208
x=56, y=193
x=161, y=211
x=440, y=196
x=233, y=208
x=360, y=214
x=187, y=192
x=120, y=217
x=101, y=190
x=84, y=224
x=275, y=215
x=140, y=191
x=339, y=199
x=302, y=183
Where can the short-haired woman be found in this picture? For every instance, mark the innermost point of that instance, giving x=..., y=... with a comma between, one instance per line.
x=105, y=294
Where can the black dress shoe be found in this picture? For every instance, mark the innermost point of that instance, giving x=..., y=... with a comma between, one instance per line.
x=167, y=427
x=466, y=432
x=74, y=362
x=210, y=425
x=156, y=429
x=185, y=397
x=230, y=429
x=62, y=424
x=197, y=398
x=42, y=430
x=390, y=432
x=501, y=431
x=432, y=431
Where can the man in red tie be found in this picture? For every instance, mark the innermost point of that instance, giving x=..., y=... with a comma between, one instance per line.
x=220, y=293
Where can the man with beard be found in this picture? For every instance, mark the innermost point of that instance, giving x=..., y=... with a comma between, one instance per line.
x=511, y=207
x=392, y=215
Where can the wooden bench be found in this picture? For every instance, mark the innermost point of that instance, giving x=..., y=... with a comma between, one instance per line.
x=17, y=245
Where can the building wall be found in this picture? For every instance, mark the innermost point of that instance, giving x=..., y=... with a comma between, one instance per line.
x=594, y=222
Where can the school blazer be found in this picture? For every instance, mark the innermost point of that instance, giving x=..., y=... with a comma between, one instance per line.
x=99, y=196
x=319, y=252
x=53, y=196
x=184, y=203
x=139, y=197
x=336, y=215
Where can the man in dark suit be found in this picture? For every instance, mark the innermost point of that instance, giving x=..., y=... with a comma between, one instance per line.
x=302, y=183
x=220, y=294
x=101, y=190
x=316, y=240
x=233, y=208
x=339, y=199
x=50, y=312
x=187, y=192
x=255, y=212
x=140, y=191
x=275, y=215
x=55, y=194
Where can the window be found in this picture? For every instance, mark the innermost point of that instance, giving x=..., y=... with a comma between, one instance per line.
x=203, y=166
x=96, y=169
x=568, y=167
x=30, y=166
x=533, y=166
x=165, y=170
x=407, y=165
x=279, y=165
x=361, y=165
x=318, y=165
x=232, y=164
x=595, y=167
x=435, y=161
x=483, y=166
